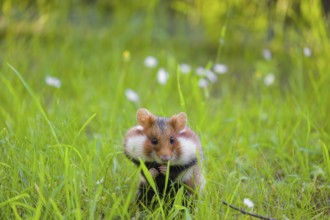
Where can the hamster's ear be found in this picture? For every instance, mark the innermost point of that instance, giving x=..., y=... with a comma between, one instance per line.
x=145, y=118
x=179, y=121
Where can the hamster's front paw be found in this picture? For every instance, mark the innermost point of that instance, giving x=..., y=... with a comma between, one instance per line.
x=163, y=169
x=154, y=172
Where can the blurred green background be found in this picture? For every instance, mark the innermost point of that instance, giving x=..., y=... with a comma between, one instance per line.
x=265, y=48
x=235, y=33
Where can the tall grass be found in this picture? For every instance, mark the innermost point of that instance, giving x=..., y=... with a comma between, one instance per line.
x=61, y=148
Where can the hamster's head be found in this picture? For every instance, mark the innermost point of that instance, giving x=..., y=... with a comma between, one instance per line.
x=161, y=136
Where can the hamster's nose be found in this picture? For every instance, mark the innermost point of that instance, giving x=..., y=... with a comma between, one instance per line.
x=165, y=158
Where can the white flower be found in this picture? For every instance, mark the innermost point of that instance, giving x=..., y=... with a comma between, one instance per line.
x=185, y=68
x=307, y=52
x=203, y=83
x=248, y=202
x=53, y=81
x=150, y=62
x=269, y=79
x=131, y=95
x=162, y=76
x=211, y=76
x=100, y=181
x=220, y=68
x=200, y=71
x=267, y=54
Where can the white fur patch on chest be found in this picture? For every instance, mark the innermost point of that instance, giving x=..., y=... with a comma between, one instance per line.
x=188, y=150
x=134, y=146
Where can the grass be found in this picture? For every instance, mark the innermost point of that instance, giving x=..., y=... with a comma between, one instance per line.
x=61, y=153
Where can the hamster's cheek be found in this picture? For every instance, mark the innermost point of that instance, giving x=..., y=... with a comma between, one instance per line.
x=135, y=146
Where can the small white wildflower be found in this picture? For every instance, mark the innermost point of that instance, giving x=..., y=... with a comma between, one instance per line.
x=203, y=83
x=53, y=81
x=211, y=76
x=100, y=181
x=307, y=52
x=269, y=79
x=162, y=76
x=220, y=68
x=131, y=95
x=267, y=54
x=248, y=202
x=185, y=68
x=200, y=70
x=150, y=62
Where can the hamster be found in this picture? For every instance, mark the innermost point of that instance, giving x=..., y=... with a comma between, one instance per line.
x=158, y=141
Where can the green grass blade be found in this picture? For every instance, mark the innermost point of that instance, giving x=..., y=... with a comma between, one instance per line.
x=182, y=101
x=16, y=214
x=153, y=185
x=56, y=209
x=149, y=177
x=83, y=127
x=232, y=198
x=326, y=158
x=5, y=165
x=71, y=147
x=93, y=203
x=166, y=177
x=24, y=195
x=36, y=101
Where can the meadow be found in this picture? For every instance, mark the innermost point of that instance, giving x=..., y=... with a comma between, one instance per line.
x=253, y=79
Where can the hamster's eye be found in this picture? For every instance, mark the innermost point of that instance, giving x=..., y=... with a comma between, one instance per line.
x=172, y=140
x=154, y=141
